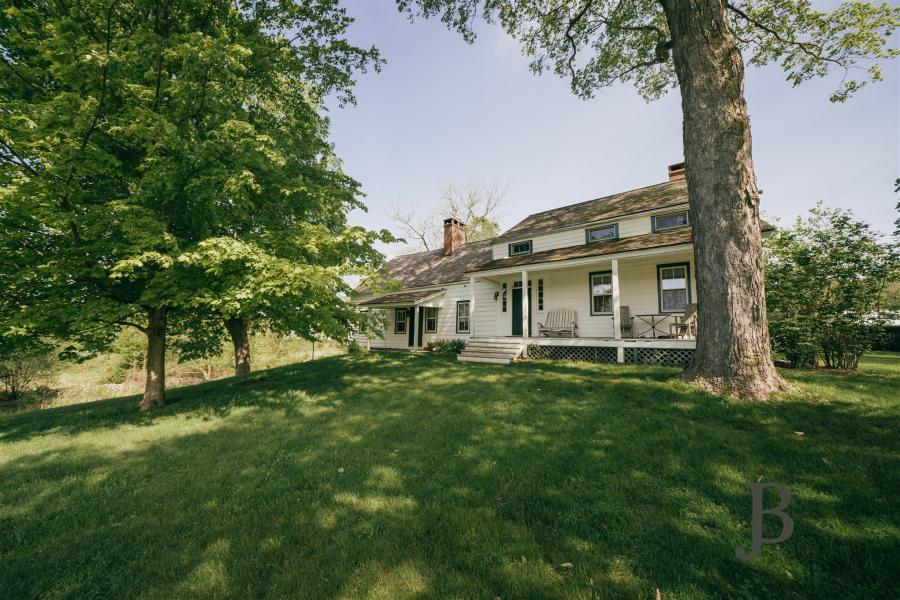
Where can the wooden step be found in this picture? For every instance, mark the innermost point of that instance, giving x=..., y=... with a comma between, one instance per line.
x=498, y=351
x=491, y=354
x=494, y=344
x=483, y=359
x=479, y=347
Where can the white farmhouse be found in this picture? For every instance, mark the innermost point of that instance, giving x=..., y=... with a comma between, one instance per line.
x=608, y=280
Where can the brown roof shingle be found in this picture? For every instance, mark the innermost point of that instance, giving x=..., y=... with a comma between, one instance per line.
x=433, y=268
x=654, y=197
x=671, y=237
x=403, y=298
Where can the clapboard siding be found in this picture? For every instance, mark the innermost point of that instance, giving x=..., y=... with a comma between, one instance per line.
x=446, y=326
x=570, y=288
x=563, y=288
x=576, y=236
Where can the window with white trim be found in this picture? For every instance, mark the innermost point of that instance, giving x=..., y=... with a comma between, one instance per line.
x=431, y=315
x=462, y=316
x=671, y=221
x=674, y=287
x=602, y=233
x=400, y=317
x=503, y=299
x=517, y=248
x=601, y=293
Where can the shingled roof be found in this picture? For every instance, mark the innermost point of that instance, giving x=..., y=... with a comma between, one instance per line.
x=433, y=268
x=403, y=298
x=671, y=237
x=654, y=197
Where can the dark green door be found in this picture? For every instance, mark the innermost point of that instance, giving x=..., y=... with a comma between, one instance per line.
x=517, y=311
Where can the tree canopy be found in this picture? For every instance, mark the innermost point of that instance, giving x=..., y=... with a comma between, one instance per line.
x=596, y=43
x=163, y=162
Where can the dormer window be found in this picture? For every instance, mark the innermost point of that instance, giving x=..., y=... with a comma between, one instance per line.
x=670, y=221
x=604, y=232
x=520, y=248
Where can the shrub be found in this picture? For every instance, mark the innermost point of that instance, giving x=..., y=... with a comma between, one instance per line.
x=355, y=348
x=452, y=346
x=19, y=372
x=889, y=339
x=825, y=282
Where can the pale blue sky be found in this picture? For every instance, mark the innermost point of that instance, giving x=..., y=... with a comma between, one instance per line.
x=443, y=110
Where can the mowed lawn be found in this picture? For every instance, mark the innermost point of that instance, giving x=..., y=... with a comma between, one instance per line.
x=396, y=476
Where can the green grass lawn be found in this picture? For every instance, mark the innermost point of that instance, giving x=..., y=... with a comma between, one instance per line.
x=397, y=476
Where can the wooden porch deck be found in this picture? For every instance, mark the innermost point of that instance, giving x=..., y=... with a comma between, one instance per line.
x=602, y=342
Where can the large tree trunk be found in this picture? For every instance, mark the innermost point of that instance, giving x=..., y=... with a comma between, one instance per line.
x=155, y=386
x=237, y=329
x=733, y=354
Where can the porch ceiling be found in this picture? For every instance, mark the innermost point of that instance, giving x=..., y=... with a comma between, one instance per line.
x=673, y=237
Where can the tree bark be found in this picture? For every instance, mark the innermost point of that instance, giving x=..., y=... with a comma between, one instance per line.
x=733, y=355
x=155, y=365
x=237, y=329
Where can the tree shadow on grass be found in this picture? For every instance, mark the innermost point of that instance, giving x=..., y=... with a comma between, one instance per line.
x=419, y=477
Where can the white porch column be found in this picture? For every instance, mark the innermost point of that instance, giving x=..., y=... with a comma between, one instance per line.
x=525, y=332
x=471, y=307
x=617, y=313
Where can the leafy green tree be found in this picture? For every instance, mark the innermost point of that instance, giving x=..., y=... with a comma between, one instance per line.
x=698, y=45
x=826, y=279
x=144, y=141
x=289, y=282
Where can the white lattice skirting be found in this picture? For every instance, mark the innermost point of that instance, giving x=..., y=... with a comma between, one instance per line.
x=668, y=357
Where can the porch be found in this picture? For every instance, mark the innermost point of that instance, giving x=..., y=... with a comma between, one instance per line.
x=671, y=352
x=633, y=308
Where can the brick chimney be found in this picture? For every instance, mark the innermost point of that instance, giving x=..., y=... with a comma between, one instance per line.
x=454, y=236
x=676, y=171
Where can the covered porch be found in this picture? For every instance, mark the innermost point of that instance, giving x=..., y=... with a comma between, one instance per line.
x=411, y=317
x=635, y=307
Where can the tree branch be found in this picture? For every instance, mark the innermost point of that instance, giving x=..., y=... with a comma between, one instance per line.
x=803, y=46
x=663, y=43
x=21, y=162
x=140, y=328
x=572, y=44
x=27, y=82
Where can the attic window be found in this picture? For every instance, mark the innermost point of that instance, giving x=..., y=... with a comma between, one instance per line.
x=605, y=232
x=670, y=221
x=520, y=248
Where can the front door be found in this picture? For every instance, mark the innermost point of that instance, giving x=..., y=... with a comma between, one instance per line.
x=411, y=330
x=517, y=311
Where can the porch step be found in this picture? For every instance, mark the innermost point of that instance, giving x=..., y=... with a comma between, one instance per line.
x=494, y=347
x=483, y=359
x=501, y=351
